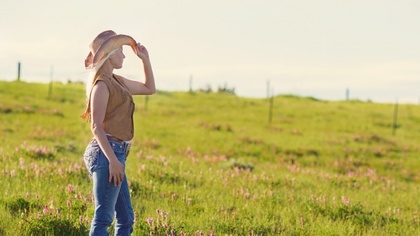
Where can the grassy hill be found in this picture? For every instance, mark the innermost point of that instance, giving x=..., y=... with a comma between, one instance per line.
x=213, y=163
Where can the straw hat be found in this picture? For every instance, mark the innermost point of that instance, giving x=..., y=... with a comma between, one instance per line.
x=105, y=43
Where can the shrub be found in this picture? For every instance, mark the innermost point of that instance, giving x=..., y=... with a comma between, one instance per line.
x=47, y=225
x=17, y=206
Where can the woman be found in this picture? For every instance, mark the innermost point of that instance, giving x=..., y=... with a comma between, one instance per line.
x=110, y=110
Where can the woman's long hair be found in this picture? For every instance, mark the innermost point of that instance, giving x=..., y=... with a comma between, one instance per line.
x=91, y=81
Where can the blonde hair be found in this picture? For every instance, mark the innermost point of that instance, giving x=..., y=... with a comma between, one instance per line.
x=92, y=74
x=90, y=82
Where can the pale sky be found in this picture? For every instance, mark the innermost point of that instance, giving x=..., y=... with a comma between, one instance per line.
x=315, y=48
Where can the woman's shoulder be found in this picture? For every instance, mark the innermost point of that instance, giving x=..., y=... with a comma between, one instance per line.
x=103, y=82
x=102, y=78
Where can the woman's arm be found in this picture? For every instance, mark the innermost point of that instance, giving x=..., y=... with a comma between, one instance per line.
x=137, y=87
x=98, y=102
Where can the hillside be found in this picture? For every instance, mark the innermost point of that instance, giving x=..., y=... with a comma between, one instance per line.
x=215, y=163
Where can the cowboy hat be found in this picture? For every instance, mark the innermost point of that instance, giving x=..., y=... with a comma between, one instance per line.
x=105, y=43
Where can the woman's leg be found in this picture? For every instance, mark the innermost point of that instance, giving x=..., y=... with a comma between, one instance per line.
x=106, y=195
x=124, y=210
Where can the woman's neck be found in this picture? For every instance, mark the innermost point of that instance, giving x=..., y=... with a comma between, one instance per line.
x=106, y=69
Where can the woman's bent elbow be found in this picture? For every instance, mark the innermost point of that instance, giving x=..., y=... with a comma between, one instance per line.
x=150, y=91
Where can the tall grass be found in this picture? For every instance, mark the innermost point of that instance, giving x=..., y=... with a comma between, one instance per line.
x=211, y=164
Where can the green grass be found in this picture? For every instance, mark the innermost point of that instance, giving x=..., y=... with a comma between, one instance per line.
x=212, y=163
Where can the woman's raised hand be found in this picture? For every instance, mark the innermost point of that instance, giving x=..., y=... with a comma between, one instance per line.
x=141, y=51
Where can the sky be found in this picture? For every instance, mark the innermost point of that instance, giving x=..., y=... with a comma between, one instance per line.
x=316, y=48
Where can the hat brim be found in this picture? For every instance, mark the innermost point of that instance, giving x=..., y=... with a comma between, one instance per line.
x=108, y=46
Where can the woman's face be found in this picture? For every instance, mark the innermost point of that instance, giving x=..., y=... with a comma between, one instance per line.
x=117, y=58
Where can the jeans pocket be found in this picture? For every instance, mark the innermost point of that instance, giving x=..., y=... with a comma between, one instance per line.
x=91, y=157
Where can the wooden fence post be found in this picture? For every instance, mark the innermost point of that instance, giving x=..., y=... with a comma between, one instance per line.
x=18, y=76
x=191, y=82
x=347, y=94
x=394, y=125
x=270, y=110
x=146, y=102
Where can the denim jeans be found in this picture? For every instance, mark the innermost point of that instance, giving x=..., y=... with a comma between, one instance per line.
x=110, y=200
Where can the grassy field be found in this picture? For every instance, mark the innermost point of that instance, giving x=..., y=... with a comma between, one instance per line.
x=212, y=164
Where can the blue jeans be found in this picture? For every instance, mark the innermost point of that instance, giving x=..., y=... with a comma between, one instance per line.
x=110, y=200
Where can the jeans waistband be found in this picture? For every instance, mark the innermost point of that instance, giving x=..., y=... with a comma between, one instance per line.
x=112, y=138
